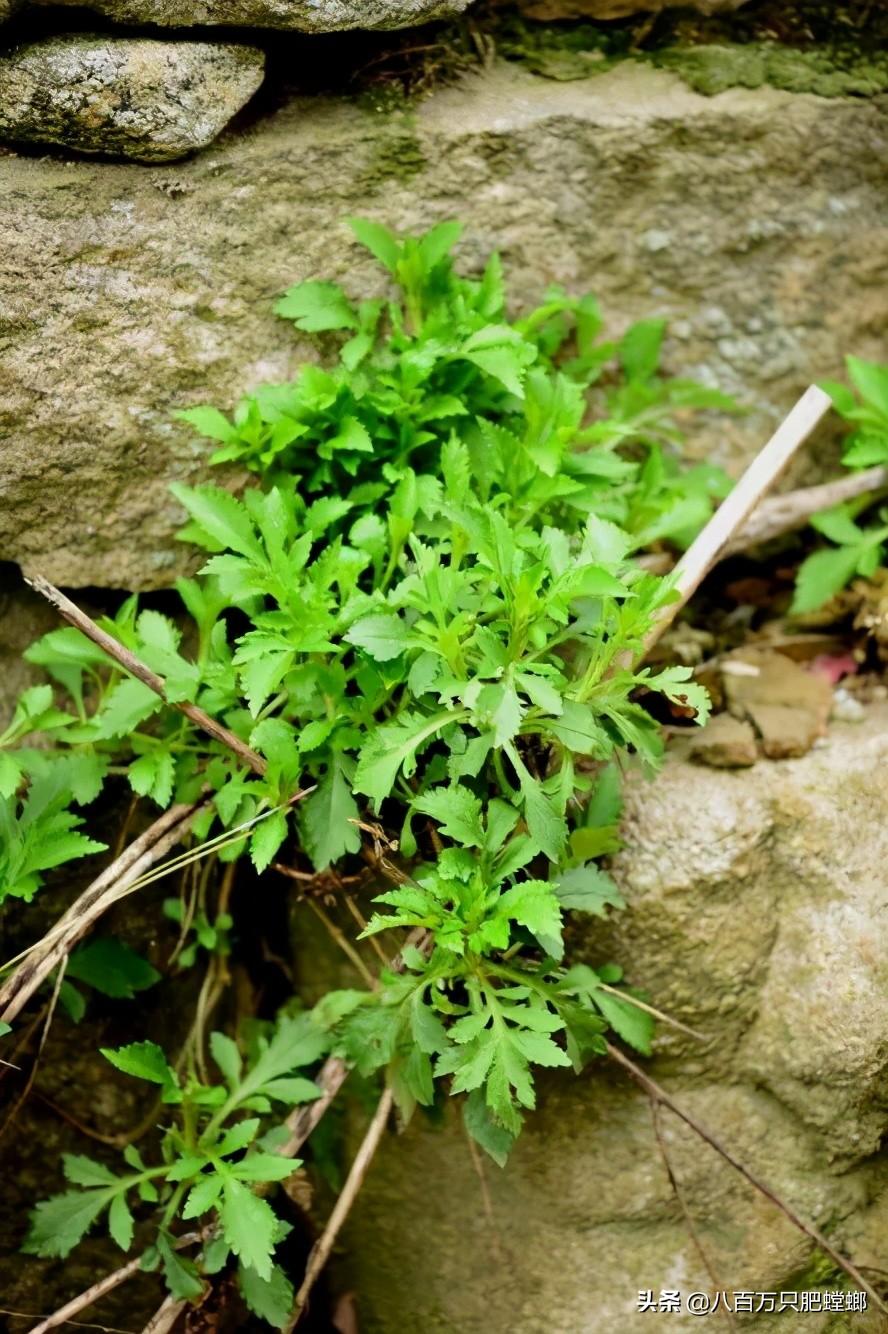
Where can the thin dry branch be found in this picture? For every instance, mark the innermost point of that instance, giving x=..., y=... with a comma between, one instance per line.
x=321, y=1250
x=654, y=1090
x=100, y=1289
x=96, y=899
x=718, y=1286
x=130, y=663
x=165, y=1316
x=760, y=476
x=778, y=515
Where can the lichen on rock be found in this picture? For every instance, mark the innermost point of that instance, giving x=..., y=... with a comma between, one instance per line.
x=300, y=15
x=134, y=97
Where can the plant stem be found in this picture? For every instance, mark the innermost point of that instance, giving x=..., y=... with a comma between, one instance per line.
x=130, y=663
x=321, y=1251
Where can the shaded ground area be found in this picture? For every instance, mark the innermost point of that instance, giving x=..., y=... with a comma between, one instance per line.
x=825, y=48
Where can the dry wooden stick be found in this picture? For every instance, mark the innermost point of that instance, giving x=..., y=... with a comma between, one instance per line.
x=654, y=1090
x=656, y=1107
x=321, y=1250
x=165, y=1316
x=95, y=900
x=100, y=1289
x=778, y=515
x=760, y=476
x=130, y=663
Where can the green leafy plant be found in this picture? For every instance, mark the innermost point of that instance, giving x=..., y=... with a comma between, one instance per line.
x=855, y=550
x=429, y=610
x=866, y=412
x=212, y=1157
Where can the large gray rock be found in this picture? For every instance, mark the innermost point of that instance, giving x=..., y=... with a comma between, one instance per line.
x=124, y=96
x=755, y=220
x=756, y=912
x=302, y=15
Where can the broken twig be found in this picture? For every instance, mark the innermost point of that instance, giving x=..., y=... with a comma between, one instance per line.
x=706, y=550
x=100, y=1289
x=130, y=663
x=778, y=515
x=717, y=1285
x=114, y=882
x=321, y=1250
x=654, y=1090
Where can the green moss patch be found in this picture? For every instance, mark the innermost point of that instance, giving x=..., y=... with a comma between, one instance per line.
x=713, y=68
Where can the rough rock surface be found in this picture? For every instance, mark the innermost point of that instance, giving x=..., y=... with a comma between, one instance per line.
x=787, y=705
x=725, y=743
x=24, y=617
x=618, y=9
x=754, y=220
x=124, y=96
x=302, y=15
x=756, y=913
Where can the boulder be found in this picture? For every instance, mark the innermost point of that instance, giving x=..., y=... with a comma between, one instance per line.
x=129, y=97
x=755, y=221
x=755, y=913
x=302, y=15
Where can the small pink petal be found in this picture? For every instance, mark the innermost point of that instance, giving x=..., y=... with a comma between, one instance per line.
x=834, y=666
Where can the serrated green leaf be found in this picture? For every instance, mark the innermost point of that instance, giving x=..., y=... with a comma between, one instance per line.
x=219, y=514
x=316, y=306
x=249, y=1226
x=326, y=818
x=226, y=1054
x=381, y=243
x=210, y=422
x=143, y=1060
x=821, y=576
x=266, y=838
x=458, y=812
x=58, y=1224
x=633, y=1025
x=587, y=889
x=383, y=636
x=495, y=1140
x=202, y=1196
x=120, y=1222
x=128, y=704
x=271, y=1299
x=81, y=1171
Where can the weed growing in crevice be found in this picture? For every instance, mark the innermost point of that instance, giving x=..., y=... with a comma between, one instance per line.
x=429, y=612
